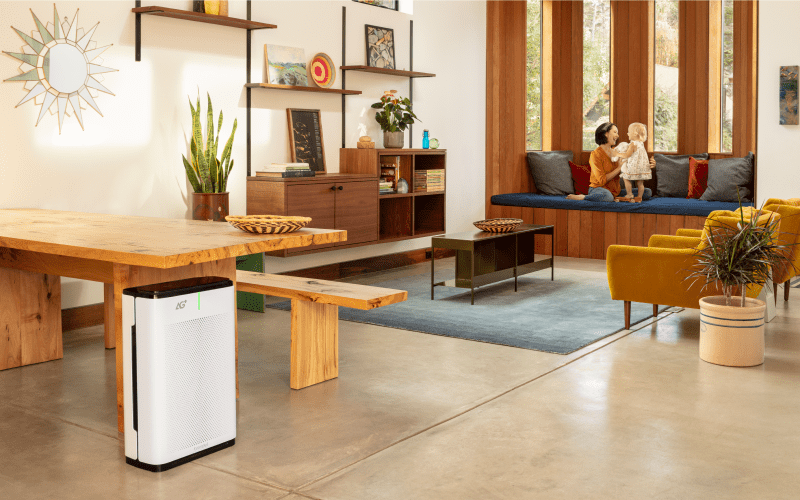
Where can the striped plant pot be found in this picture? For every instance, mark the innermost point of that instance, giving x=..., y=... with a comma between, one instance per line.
x=732, y=335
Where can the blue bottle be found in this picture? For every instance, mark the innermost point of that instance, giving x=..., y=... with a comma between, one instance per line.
x=425, y=143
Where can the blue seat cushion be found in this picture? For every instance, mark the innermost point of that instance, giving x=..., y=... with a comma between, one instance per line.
x=658, y=205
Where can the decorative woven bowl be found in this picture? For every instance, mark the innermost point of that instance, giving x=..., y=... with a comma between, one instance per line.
x=267, y=224
x=498, y=225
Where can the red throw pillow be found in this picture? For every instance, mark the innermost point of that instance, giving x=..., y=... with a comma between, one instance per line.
x=698, y=178
x=580, y=177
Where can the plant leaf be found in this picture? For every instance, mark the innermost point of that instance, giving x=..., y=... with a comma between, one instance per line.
x=190, y=173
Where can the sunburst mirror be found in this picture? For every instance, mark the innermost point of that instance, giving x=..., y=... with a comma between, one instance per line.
x=61, y=68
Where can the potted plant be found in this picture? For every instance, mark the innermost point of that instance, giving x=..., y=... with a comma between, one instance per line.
x=207, y=174
x=737, y=252
x=395, y=116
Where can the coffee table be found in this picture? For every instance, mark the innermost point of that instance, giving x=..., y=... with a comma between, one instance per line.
x=483, y=258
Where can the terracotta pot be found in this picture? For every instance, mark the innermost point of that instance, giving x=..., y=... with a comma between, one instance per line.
x=210, y=206
x=393, y=140
x=732, y=335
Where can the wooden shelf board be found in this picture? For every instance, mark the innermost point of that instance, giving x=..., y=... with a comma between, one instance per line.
x=395, y=152
x=301, y=89
x=202, y=17
x=396, y=195
x=427, y=233
x=426, y=193
x=395, y=72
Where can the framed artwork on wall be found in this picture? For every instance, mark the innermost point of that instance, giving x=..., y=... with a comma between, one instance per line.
x=286, y=65
x=788, y=95
x=380, y=47
x=305, y=138
x=386, y=4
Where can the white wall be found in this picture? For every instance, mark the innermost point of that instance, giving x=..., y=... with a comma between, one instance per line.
x=128, y=162
x=778, y=161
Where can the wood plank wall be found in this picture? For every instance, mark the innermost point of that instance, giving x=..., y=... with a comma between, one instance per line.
x=693, y=75
x=562, y=76
x=506, y=45
x=586, y=234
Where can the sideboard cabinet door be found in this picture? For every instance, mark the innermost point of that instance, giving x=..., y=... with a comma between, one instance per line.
x=357, y=211
x=312, y=200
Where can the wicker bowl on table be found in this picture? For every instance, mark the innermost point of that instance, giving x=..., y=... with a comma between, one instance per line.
x=498, y=225
x=267, y=224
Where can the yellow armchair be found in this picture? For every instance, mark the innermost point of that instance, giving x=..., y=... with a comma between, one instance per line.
x=657, y=274
x=789, y=235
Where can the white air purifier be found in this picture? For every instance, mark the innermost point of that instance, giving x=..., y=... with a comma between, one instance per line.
x=179, y=371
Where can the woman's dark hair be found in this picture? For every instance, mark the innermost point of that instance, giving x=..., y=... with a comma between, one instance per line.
x=600, y=134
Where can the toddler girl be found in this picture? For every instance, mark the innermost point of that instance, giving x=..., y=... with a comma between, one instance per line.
x=635, y=165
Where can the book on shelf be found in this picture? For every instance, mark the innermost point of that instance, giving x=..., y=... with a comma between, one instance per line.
x=285, y=167
x=287, y=173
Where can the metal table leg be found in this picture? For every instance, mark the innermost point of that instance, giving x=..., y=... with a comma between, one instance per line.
x=433, y=255
x=552, y=254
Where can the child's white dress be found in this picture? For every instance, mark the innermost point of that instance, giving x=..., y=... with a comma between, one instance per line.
x=637, y=166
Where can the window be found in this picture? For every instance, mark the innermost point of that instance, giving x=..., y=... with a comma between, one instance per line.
x=533, y=79
x=665, y=116
x=726, y=97
x=596, y=67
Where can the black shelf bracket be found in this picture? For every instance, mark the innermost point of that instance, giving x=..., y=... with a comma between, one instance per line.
x=138, y=4
x=248, y=89
x=344, y=37
x=411, y=83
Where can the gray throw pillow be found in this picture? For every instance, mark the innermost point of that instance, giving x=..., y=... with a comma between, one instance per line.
x=727, y=174
x=551, y=172
x=673, y=174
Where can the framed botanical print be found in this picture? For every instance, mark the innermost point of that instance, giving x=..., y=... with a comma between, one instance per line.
x=386, y=4
x=380, y=47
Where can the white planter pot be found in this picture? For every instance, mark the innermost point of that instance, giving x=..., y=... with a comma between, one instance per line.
x=732, y=335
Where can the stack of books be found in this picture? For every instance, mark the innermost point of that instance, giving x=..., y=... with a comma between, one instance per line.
x=388, y=177
x=429, y=181
x=385, y=187
x=287, y=170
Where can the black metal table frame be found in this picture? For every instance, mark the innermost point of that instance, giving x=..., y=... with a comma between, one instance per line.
x=495, y=276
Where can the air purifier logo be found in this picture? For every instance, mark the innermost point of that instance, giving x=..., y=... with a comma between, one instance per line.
x=180, y=305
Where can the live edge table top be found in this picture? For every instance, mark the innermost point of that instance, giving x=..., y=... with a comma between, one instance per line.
x=142, y=241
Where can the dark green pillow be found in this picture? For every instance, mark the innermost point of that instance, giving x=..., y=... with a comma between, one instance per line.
x=728, y=174
x=673, y=174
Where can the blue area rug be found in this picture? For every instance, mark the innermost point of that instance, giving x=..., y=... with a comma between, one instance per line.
x=558, y=316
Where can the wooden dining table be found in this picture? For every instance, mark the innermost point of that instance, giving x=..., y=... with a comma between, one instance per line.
x=39, y=246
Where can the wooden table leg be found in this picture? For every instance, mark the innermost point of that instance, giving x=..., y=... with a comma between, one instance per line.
x=30, y=318
x=130, y=276
x=108, y=315
x=315, y=343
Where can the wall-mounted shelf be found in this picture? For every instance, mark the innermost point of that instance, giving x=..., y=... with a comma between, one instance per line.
x=202, y=17
x=385, y=71
x=301, y=89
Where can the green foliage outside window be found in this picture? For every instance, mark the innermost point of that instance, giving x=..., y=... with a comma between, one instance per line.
x=665, y=118
x=596, y=67
x=533, y=107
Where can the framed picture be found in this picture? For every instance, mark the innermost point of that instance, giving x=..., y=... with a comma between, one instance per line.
x=787, y=95
x=386, y=4
x=305, y=138
x=380, y=47
x=286, y=65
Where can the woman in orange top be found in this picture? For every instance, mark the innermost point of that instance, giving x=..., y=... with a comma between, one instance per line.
x=604, y=179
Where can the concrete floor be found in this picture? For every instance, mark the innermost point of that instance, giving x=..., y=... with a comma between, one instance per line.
x=417, y=416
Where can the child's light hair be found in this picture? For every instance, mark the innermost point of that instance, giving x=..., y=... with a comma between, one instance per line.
x=640, y=129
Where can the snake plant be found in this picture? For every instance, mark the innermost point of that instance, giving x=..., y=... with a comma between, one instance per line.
x=206, y=173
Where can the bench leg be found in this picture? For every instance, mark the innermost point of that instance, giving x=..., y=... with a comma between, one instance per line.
x=315, y=343
x=108, y=315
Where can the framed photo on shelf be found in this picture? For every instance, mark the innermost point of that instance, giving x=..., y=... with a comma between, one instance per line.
x=386, y=4
x=380, y=47
x=286, y=65
x=305, y=138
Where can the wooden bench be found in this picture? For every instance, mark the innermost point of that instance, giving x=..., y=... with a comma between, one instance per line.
x=315, y=318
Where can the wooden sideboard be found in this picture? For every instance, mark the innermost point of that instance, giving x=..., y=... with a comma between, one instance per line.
x=350, y=200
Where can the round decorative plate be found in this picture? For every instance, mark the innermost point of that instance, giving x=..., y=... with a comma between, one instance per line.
x=498, y=225
x=267, y=224
x=323, y=72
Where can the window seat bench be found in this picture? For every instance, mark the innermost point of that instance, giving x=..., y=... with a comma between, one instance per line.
x=586, y=229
